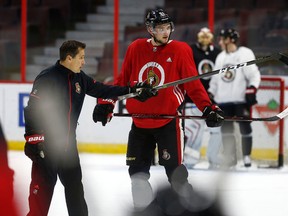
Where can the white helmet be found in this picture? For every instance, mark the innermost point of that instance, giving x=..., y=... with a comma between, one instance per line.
x=205, y=36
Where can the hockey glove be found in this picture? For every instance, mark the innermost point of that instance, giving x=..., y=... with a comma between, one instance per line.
x=144, y=90
x=34, y=147
x=214, y=116
x=103, y=111
x=250, y=96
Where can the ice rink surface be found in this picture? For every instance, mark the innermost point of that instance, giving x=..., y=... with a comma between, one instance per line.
x=242, y=192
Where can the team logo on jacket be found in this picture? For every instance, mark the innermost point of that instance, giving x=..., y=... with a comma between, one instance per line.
x=78, y=87
x=228, y=75
x=153, y=73
x=205, y=66
x=165, y=155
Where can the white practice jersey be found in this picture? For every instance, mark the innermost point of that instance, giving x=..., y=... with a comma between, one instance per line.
x=230, y=86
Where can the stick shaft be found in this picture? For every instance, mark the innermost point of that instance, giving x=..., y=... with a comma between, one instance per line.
x=277, y=56
x=277, y=117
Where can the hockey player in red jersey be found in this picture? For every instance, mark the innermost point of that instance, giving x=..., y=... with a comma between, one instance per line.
x=159, y=60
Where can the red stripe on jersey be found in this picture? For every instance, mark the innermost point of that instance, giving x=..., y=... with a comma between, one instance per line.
x=180, y=140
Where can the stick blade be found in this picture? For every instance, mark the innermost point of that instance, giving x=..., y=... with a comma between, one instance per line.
x=284, y=58
x=280, y=56
x=283, y=114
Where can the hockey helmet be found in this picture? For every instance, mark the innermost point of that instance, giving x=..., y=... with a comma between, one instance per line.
x=205, y=36
x=158, y=17
x=230, y=33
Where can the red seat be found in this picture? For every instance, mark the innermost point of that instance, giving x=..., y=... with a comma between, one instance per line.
x=269, y=4
x=218, y=4
x=190, y=15
x=9, y=16
x=243, y=4
x=178, y=3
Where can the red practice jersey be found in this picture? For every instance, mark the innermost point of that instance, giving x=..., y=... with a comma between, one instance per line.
x=158, y=65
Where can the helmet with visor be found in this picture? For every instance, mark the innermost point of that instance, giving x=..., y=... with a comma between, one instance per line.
x=158, y=17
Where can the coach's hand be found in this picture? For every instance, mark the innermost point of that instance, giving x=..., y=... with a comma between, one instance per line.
x=214, y=116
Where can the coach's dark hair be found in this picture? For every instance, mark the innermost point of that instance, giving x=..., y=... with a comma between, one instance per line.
x=70, y=47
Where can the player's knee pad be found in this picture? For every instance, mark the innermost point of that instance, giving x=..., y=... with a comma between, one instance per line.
x=227, y=127
x=229, y=143
x=179, y=181
x=142, y=193
x=177, y=174
x=193, y=153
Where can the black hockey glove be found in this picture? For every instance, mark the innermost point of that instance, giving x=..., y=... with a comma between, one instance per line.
x=250, y=96
x=103, y=111
x=144, y=90
x=34, y=147
x=214, y=116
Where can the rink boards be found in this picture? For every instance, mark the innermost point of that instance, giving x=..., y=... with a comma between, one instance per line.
x=94, y=137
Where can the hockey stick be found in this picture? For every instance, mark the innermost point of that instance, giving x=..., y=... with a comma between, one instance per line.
x=276, y=56
x=277, y=117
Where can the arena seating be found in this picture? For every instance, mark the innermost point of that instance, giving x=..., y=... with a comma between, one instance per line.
x=262, y=23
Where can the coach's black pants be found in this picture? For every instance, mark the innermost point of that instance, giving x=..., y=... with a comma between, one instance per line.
x=66, y=165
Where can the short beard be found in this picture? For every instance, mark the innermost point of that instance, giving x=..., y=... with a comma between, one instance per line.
x=158, y=42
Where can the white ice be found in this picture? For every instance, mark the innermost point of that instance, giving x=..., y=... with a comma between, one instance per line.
x=242, y=192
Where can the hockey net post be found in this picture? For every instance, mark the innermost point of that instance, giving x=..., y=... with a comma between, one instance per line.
x=269, y=135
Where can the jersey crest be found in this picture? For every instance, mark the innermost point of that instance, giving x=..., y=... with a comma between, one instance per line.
x=228, y=75
x=153, y=73
x=205, y=66
x=152, y=78
x=78, y=87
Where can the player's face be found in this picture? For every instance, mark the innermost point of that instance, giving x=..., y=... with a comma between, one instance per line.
x=78, y=61
x=162, y=33
x=224, y=42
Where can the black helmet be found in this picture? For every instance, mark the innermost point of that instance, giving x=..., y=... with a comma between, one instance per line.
x=230, y=33
x=158, y=17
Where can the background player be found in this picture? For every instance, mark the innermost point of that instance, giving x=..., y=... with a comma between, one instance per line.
x=205, y=54
x=235, y=92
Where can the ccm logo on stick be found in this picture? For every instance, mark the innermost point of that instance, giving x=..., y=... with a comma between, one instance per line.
x=232, y=67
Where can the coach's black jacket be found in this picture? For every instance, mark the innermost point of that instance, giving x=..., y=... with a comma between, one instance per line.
x=56, y=101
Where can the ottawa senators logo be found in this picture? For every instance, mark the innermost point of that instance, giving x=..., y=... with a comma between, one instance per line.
x=205, y=66
x=152, y=78
x=229, y=75
x=153, y=73
x=78, y=88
